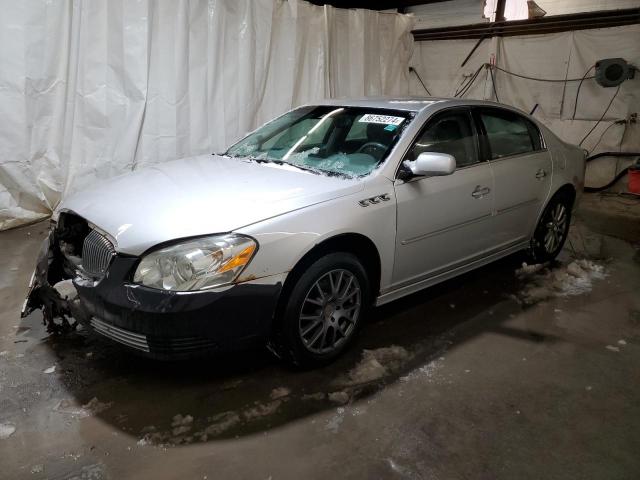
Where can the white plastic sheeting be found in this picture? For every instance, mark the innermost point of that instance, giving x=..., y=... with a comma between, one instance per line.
x=552, y=56
x=93, y=88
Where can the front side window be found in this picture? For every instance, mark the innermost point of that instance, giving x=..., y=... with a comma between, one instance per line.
x=451, y=133
x=349, y=141
x=509, y=133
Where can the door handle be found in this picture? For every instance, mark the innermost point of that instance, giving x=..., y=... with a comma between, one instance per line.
x=541, y=174
x=480, y=192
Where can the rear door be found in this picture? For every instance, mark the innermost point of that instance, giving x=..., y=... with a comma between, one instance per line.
x=443, y=222
x=522, y=170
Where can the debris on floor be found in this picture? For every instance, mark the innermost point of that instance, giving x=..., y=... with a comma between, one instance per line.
x=66, y=289
x=543, y=282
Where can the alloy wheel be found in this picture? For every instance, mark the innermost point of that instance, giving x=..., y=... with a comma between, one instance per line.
x=330, y=311
x=556, y=226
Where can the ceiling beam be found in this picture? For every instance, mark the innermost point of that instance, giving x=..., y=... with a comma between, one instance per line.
x=552, y=24
x=374, y=4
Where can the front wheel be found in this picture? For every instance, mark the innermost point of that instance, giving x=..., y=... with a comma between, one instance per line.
x=552, y=229
x=324, y=310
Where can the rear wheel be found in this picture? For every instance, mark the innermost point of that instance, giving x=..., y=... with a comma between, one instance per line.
x=552, y=229
x=323, y=311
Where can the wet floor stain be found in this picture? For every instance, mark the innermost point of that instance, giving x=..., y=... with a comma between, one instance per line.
x=235, y=395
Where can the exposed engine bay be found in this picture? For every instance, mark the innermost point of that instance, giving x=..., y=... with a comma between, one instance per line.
x=59, y=262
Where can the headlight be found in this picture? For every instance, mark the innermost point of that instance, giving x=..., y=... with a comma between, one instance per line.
x=196, y=264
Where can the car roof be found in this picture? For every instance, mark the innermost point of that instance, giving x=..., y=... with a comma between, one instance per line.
x=411, y=104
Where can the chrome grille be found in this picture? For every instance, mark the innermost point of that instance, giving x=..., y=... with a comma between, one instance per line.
x=97, y=252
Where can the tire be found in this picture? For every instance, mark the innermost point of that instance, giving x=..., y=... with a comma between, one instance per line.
x=552, y=229
x=323, y=311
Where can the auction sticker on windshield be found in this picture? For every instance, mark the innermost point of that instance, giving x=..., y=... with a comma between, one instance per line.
x=382, y=119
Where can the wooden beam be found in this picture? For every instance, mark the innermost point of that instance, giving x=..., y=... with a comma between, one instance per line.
x=500, y=10
x=374, y=4
x=552, y=24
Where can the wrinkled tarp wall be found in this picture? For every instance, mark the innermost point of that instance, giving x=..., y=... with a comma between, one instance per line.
x=553, y=56
x=91, y=89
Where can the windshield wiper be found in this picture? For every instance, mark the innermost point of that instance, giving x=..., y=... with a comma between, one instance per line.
x=282, y=162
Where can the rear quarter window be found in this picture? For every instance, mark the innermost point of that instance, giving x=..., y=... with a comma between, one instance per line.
x=509, y=133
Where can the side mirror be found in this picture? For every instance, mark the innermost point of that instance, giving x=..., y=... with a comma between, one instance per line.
x=431, y=164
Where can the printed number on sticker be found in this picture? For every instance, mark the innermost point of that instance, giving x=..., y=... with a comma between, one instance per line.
x=383, y=119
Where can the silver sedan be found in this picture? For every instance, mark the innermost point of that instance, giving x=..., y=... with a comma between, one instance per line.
x=290, y=236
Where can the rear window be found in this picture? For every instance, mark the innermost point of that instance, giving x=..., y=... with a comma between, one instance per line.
x=509, y=133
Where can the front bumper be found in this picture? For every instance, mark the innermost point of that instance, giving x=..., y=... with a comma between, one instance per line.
x=165, y=324
x=156, y=323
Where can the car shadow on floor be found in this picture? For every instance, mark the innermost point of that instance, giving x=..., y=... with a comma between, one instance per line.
x=249, y=392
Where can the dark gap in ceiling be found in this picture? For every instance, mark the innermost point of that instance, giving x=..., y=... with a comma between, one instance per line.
x=373, y=4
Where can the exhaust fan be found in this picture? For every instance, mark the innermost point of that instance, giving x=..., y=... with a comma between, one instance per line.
x=611, y=72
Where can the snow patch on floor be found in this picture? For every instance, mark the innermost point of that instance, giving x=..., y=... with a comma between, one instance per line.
x=542, y=283
x=426, y=372
x=339, y=397
x=92, y=407
x=333, y=424
x=66, y=407
x=262, y=410
x=376, y=364
x=279, y=392
x=180, y=420
x=95, y=406
x=220, y=423
x=181, y=424
x=182, y=430
x=6, y=430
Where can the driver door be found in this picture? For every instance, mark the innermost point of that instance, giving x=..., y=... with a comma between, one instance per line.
x=444, y=222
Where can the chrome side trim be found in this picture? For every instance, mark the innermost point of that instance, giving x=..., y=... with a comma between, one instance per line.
x=441, y=277
x=444, y=230
x=120, y=335
x=518, y=155
x=516, y=206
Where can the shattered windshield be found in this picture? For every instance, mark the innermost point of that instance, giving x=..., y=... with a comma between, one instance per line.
x=350, y=141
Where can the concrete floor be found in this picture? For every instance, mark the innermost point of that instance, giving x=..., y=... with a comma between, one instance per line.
x=479, y=378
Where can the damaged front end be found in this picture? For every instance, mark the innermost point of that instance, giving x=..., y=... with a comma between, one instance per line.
x=51, y=288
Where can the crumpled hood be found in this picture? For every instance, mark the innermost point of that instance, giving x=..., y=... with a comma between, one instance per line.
x=197, y=196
